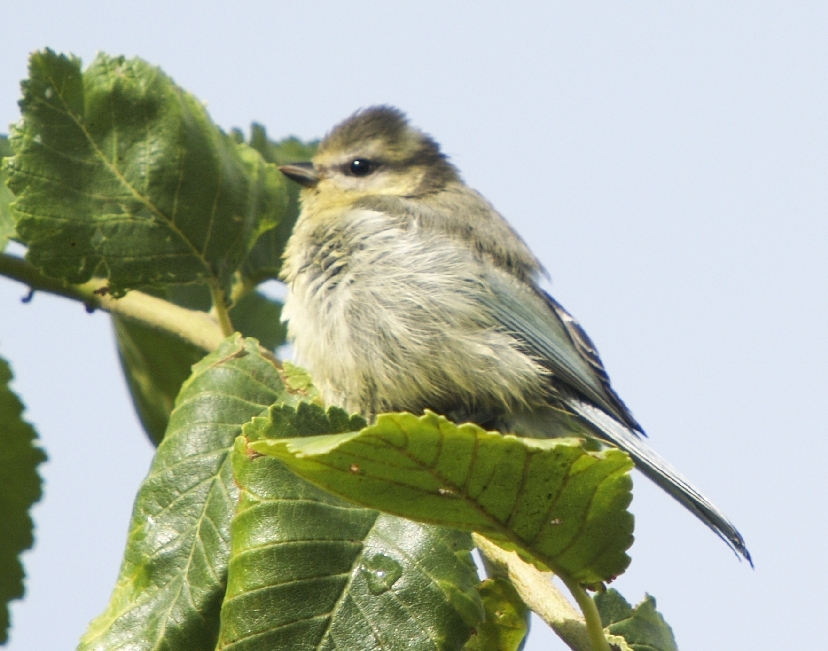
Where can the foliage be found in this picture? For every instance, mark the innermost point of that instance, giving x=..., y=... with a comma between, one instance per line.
x=308, y=569
x=567, y=511
x=642, y=628
x=507, y=618
x=156, y=363
x=266, y=521
x=119, y=173
x=6, y=197
x=19, y=489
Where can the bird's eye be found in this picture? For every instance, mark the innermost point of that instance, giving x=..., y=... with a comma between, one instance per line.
x=362, y=167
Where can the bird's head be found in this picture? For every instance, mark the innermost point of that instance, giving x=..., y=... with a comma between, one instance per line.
x=373, y=152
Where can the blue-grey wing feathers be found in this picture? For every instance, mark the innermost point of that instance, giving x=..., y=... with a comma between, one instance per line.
x=580, y=383
x=556, y=340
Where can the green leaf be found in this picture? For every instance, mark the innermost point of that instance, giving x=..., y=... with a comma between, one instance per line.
x=289, y=150
x=310, y=571
x=306, y=419
x=562, y=505
x=299, y=381
x=169, y=591
x=507, y=618
x=156, y=363
x=255, y=315
x=643, y=628
x=265, y=260
x=120, y=173
x=6, y=197
x=19, y=489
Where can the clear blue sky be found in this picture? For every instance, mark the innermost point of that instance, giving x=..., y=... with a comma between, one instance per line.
x=667, y=162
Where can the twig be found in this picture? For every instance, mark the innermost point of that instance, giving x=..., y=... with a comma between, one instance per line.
x=538, y=592
x=193, y=326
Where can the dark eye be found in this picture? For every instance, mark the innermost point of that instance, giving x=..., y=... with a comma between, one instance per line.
x=362, y=167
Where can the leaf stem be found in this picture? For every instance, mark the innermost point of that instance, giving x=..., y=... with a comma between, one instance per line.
x=593, y=619
x=193, y=326
x=220, y=310
x=538, y=592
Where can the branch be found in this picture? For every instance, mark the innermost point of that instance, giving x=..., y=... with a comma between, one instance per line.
x=193, y=326
x=538, y=592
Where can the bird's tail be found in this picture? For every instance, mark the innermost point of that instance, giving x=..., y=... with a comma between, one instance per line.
x=662, y=473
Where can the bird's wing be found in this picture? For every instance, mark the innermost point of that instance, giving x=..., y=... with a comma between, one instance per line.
x=551, y=335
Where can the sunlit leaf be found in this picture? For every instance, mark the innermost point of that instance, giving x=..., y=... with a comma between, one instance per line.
x=310, y=571
x=643, y=627
x=552, y=499
x=6, y=197
x=19, y=489
x=120, y=173
x=169, y=592
x=507, y=618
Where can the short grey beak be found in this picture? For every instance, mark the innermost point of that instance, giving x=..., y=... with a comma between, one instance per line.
x=302, y=173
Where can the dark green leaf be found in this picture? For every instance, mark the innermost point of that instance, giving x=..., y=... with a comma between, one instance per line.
x=289, y=150
x=563, y=505
x=306, y=419
x=6, y=197
x=257, y=316
x=193, y=296
x=643, y=628
x=507, y=618
x=19, y=489
x=120, y=173
x=265, y=260
x=156, y=363
x=168, y=595
x=310, y=571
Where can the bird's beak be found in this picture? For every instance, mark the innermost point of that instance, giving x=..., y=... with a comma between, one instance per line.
x=302, y=173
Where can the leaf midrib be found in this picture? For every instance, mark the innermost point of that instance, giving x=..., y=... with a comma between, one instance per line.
x=116, y=172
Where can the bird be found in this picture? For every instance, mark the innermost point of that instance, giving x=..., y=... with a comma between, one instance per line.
x=408, y=291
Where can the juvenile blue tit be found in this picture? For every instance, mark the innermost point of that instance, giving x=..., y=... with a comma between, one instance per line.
x=408, y=291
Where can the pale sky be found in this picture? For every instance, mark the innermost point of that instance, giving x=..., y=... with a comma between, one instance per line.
x=667, y=163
